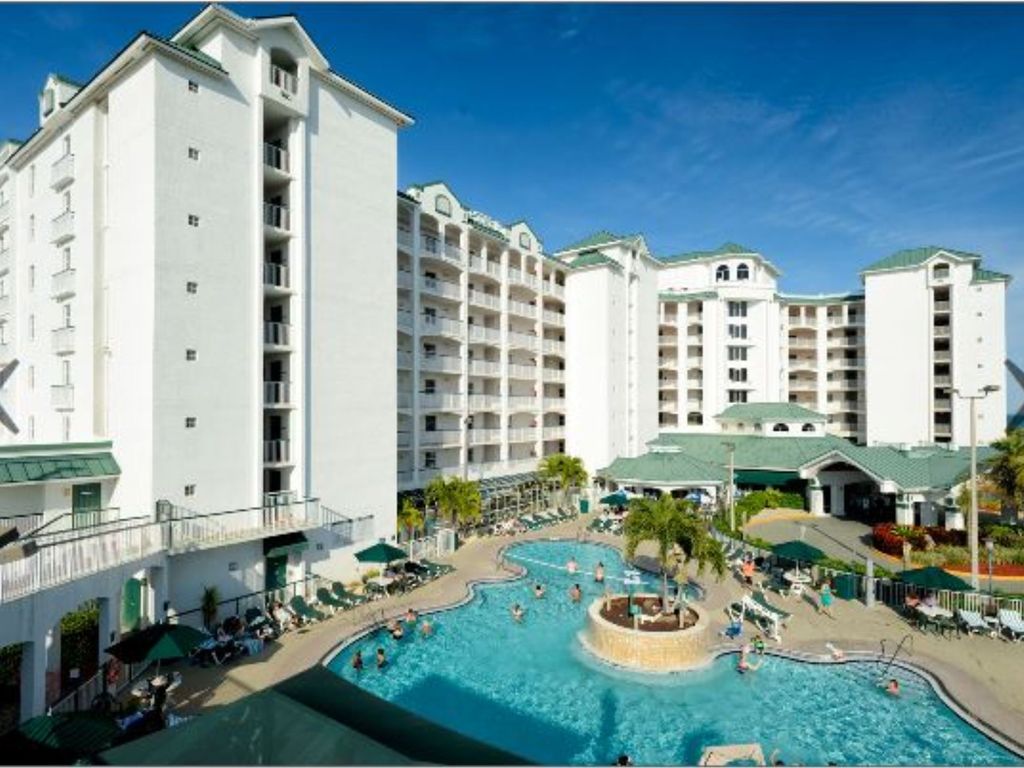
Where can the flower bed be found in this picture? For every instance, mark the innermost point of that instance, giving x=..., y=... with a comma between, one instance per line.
x=889, y=537
x=948, y=549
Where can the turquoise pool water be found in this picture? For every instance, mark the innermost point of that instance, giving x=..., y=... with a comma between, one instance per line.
x=530, y=689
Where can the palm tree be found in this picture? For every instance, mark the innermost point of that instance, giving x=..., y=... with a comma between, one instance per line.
x=454, y=498
x=1006, y=468
x=667, y=521
x=567, y=471
x=410, y=517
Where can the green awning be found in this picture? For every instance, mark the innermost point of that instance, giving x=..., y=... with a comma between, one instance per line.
x=39, y=469
x=285, y=544
x=768, y=477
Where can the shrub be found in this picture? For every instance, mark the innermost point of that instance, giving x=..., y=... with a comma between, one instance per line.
x=889, y=537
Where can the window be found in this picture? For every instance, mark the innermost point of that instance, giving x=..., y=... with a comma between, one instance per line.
x=31, y=377
x=429, y=350
x=66, y=143
x=191, y=287
x=737, y=353
x=31, y=427
x=737, y=331
x=430, y=423
x=31, y=180
x=193, y=86
x=193, y=153
x=429, y=386
x=940, y=271
x=32, y=228
x=65, y=371
x=66, y=313
x=31, y=327
x=190, y=355
x=722, y=274
x=193, y=220
x=780, y=428
x=190, y=422
x=429, y=459
x=31, y=277
x=190, y=490
x=65, y=258
x=807, y=428
x=737, y=396
x=443, y=205
x=742, y=272
x=738, y=374
x=737, y=309
x=66, y=428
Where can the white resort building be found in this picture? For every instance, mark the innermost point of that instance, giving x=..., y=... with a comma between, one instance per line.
x=235, y=345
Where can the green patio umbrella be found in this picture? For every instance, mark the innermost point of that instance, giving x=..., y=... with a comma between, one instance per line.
x=617, y=499
x=60, y=738
x=158, y=642
x=381, y=552
x=932, y=577
x=798, y=551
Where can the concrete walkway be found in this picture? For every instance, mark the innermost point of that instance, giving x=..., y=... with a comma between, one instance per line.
x=985, y=675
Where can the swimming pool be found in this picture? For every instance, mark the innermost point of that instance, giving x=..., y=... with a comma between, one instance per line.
x=530, y=689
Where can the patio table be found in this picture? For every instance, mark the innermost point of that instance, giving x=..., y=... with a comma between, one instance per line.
x=797, y=580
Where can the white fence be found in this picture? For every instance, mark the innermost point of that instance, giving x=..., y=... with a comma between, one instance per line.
x=438, y=544
x=82, y=697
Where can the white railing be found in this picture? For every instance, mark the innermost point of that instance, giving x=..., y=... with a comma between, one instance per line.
x=522, y=309
x=803, y=363
x=404, y=439
x=276, y=216
x=524, y=340
x=404, y=319
x=481, y=267
x=797, y=343
x=441, y=437
x=405, y=279
x=484, y=368
x=554, y=433
x=62, y=171
x=556, y=290
x=405, y=237
x=275, y=275
x=22, y=523
x=62, y=227
x=480, y=436
x=439, y=544
x=943, y=356
x=453, y=252
x=62, y=283
x=62, y=397
x=943, y=403
x=484, y=334
x=431, y=244
x=481, y=299
x=484, y=401
x=554, y=403
x=59, y=562
x=275, y=157
x=522, y=434
x=404, y=359
x=441, y=325
x=554, y=318
x=668, y=363
x=276, y=334
x=554, y=346
x=62, y=340
x=5, y=259
x=804, y=385
x=280, y=513
x=802, y=322
x=522, y=402
x=941, y=306
x=276, y=451
x=554, y=374
x=441, y=400
x=941, y=331
x=942, y=379
x=403, y=400
x=277, y=392
x=516, y=371
x=441, y=364
x=442, y=288
x=843, y=362
x=283, y=79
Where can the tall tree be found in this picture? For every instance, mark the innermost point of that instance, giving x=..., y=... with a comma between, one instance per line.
x=567, y=471
x=667, y=522
x=455, y=499
x=410, y=517
x=1006, y=468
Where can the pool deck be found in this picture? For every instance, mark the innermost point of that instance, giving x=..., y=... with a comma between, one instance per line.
x=985, y=675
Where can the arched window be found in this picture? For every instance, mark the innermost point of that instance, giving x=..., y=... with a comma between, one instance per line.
x=780, y=428
x=940, y=271
x=443, y=205
x=694, y=418
x=742, y=272
x=722, y=274
x=807, y=428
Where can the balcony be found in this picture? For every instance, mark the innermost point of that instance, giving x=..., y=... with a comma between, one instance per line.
x=668, y=384
x=522, y=403
x=404, y=439
x=276, y=336
x=62, y=228
x=942, y=379
x=555, y=375
x=5, y=261
x=556, y=290
x=668, y=406
x=486, y=300
x=554, y=347
x=276, y=158
x=522, y=309
x=276, y=218
x=798, y=321
x=440, y=401
x=62, y=397
x=283, y=79
x=943, y=404
x=554, y=318
x=668, y=363
x=62, y=172
x=484, y=436
x=522, y=434
x=405, y=279
x=441, y=437
x=525, y=372
x=484, y=402
x=404, y=320
x=803, y=364
x=484, y=335
x=803, y=385
x=405, y=239
x=484, y=368
x=668, y=339
x=453, y=252
x=518, y=277
x=62, y=340
x=403, y=400
x=442, y=288
x=942, y=356
x=554, y=433
x=523, y=341
x=554, y=403
x=277, y=451
x=844, y=342
x=795, y=342
x=844, y=363
x=441, y=364
x=941, y=306
x=277, y=394
x=941, y=331
x=432, y=247
x=275, y=277
x=839, y=384
x=404, y=359
x=480, y=267
x=431, y=325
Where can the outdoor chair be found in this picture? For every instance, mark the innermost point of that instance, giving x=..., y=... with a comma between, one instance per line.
x=346, y=597
x=304, y=611
x=972, y=622
x=326, y=598
x=1012, y=623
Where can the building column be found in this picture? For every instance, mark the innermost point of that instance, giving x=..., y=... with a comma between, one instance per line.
x=904, y=510
x=109, y=624
x=51, y=664
x=815, y=497
x=156, y=580
x=838, y=500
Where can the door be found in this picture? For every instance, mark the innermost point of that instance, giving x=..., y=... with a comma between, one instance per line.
x=131, y=605
x=277, y=572
x=86, y=502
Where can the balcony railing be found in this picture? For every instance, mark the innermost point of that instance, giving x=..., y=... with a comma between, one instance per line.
x=484, y=402
x=522, y=402
x=5, y=210
x=444, y=401
x=62, y=284
x=516, y=371
x=277, y=393
x=481, y=436
x=482, y=333
x=62, y=228
x=276, y=216
x=404, y=319
x=554, y=374
x=62, y=397
x=484, y=368
x=275, y=275
x=405, y=238
x=276, y=334
x=441, y=437
x=522, y=434
x=431, y=324
x=481, y=299
x=523, y=340
x=62, y=171
x=5, y=260
x=942, y=356
x=404, y=439
x=481, y=267
x=522, y=309
x=553, y=318
x=404, y=359
x=453, y=252
x=403, y=400
x=941, y=306
x=62, y=340
x=441, y=363
x=405, y=279
x=554, y=433
x=275, y=157
x=277, y=451
x=556, y=290
x=443, y=288
x=283, y=79
x=554, y=346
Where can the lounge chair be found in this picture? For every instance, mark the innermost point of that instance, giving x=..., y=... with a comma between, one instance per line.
x=769, y=617
x=349, y=598
x=971, y=621
x=1011, y=622
x=304, y=611
x=324, y=596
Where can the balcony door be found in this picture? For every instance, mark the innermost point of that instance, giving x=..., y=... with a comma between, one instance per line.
x=86, y=502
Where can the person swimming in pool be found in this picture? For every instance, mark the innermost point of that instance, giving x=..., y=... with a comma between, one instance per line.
x=599, y=572
x=426, y=628
x=538, y=591
x=758, y=645
x=381, y=659
x=517, y=612
x=893, y=687
x=410, y=616
x=357, y=661
x=575, y=593
x=572, y=566
x=395, y=629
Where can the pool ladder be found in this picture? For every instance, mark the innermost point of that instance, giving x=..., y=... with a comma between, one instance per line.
x=892, y=659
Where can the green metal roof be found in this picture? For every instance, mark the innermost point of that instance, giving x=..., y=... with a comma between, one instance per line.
x=666, y=468
x=989, y=276
x=725, y=249
x=820, y=298
x=680, y=296
x=488, y=230
x=912, y=257
x=604, y=237
x=757, y=413
x=41, y=469
x=189, y=51
x=592, y=258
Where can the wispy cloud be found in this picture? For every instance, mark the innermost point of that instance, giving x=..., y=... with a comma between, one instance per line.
x=60, y=18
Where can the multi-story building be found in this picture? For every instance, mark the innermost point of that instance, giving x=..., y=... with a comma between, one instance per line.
x=481, y=337
x=196, y=279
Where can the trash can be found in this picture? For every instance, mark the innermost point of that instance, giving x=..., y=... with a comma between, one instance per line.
x=846, y=586
x=584, y=506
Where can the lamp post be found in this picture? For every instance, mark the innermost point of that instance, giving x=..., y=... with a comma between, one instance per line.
x=990, y=548
x=731, y=447
x=972, y=526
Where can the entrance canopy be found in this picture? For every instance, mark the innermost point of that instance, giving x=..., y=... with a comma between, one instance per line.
x=285, y=544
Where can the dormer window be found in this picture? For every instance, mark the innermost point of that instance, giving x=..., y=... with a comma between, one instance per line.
x=742, y=272
x=780, y=428
x=722, y=274
x=443, y=205
x=940, y=271
x=807, y=428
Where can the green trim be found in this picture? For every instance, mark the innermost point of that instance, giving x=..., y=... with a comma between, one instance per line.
x=759, y=413
x=603, y=237
x=198, y=55
x=43, y=469
x=285, y=544
x=914, y=257
x=62, y=447
x=821, y=298
x=726, y=249
x=989, y=276
x=484, y=229
x=593, y=258
x=770, y=478
x=683, y=297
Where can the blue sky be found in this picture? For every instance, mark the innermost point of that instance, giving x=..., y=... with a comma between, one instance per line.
x=823, y=136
